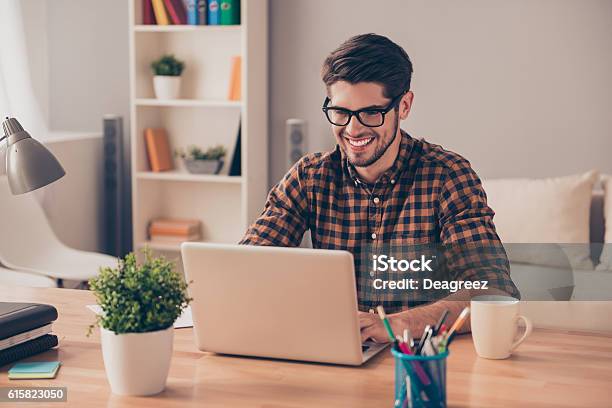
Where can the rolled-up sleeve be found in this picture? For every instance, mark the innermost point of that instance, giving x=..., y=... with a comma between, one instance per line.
x=467, y=231
x=285, y=216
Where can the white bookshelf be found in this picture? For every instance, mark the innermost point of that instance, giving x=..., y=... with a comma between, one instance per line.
x=204, y=116
x=188, y=103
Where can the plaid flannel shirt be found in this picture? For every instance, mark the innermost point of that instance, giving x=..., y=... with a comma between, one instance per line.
x=428, y=196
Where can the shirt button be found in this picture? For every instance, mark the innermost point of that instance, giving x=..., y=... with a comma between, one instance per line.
x=376, y=200
x=373, y=235
x=372, y=273
x=392, y=181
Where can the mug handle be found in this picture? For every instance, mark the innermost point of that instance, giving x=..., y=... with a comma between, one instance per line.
x=528, y=328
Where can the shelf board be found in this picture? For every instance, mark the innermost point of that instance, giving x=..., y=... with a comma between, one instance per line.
x=177, y=175
x=187, y=103
x=141, y=28
x=160, y=246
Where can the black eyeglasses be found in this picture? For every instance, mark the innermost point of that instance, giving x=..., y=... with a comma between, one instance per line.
x=370, y=117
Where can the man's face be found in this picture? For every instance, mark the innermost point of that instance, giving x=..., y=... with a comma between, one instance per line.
x=362, y=145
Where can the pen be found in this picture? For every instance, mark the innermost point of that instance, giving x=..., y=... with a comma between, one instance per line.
x=457, y=325
x=383, y=317
x=442, y=344
x=422, y=341
x=440, y=322
x=426, y=342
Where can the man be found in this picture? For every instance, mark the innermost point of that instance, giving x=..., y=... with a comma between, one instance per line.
x=380, y=186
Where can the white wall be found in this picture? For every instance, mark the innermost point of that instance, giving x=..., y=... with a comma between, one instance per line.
x=520, y=88
x=88, y=62
x=35, y=26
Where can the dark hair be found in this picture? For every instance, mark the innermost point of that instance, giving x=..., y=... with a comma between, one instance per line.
x=369, y=58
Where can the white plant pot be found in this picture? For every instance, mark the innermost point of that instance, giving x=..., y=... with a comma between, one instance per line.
x=167, y=87
x=137, y=363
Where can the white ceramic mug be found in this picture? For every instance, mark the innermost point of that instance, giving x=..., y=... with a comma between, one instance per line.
x=494, y=322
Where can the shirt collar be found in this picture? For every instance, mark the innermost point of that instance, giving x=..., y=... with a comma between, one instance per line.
x=392, y=174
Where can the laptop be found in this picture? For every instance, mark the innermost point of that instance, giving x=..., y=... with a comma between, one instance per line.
x=285, y=303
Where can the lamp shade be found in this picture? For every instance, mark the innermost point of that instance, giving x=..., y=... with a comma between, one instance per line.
x=29, y=164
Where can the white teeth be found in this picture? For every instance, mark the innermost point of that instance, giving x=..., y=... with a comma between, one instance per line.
x=360, y=142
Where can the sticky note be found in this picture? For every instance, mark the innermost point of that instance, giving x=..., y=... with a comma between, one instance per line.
x=37, y=369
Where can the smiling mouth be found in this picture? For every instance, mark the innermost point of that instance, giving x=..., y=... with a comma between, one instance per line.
x=360, y=142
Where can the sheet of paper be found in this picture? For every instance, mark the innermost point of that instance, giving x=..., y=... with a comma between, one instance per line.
x=184, y=320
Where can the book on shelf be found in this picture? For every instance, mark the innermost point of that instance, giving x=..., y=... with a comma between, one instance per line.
x=229, y=13
x=213, y=14
x=170, y=226
x=158, y=149
x=192, y=11
x=235, y=86
x=235, y=168
x=176, y=11
x=170, y=239
x=160, y=12
x=201, y=12
x=148, y=16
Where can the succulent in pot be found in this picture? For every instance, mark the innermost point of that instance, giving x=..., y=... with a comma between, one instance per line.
x=167, y=72
x=200, y=161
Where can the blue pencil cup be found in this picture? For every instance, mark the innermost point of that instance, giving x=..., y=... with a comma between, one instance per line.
x=420, y=381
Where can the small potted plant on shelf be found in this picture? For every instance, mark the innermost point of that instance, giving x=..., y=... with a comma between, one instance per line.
x=167, y=77
x=139, y=302
x=199, y=161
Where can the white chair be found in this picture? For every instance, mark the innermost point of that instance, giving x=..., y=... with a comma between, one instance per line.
x=28, y=245
x=19, y=278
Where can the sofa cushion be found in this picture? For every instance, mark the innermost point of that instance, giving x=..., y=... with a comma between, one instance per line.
x=541, y=211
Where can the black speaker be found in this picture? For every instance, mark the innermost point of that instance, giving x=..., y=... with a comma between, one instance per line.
x=296, y=140
x=113, y=185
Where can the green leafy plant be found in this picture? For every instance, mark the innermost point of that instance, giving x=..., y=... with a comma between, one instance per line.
x=168, y=65
x=196, y=153
x=138, y=298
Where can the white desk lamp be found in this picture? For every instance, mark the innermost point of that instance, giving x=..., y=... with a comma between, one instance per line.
x=29, y=164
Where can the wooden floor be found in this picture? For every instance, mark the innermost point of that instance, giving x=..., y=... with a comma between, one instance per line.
x=551, y=369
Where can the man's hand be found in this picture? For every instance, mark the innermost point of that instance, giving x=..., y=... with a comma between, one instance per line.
x=414, y=319
x=372, y=327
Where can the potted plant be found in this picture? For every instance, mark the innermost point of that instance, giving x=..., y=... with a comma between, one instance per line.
x=167, y=77
x=139, y=303
x=199, y=161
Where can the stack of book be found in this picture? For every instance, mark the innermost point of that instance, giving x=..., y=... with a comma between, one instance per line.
x=174, y=231
x=192, y=12
x=25, y=330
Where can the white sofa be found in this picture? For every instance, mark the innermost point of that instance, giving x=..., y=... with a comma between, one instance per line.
x=587, y=305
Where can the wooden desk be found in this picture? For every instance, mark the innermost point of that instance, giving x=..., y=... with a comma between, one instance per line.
x=551, y=369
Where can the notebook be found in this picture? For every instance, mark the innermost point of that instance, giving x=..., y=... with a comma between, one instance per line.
x=25, y=336
x=17, y=318
x=27, y=349
x=34, y=370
